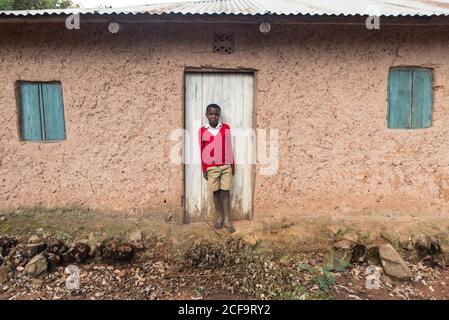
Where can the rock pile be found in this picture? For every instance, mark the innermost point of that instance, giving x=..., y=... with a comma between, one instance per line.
x=427, y=250
x=37, y=256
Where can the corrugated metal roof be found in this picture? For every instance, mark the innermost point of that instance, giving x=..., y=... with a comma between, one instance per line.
x=268, y=7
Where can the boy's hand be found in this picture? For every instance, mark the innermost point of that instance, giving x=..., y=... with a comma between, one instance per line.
x=205, y=175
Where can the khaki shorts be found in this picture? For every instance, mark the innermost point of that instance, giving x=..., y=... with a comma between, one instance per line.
x=219, y=178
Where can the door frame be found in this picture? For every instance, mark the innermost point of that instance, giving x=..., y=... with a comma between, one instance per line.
x=187, y=70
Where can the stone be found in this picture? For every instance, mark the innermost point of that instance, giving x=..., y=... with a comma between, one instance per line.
x=392, y=263
x=386, y=279
x=53, y=260
x=351, y=236
x=405, y=242
x=93, y=244
x=116, y=250
x=120, y=273
x=445, y=254
x=97, y=236
x=81, y=251
x=344, y=245
x=73, y=280
x=135, y=236
x=36, y=266
x=37, y=282
x=56, y=246
x=313, y=262
x=3, y=219
x=250, y=239
x=33, y=239
x=334, y=229
x=358, y=253
x=6, y=245
x=277, y=225
x=372, y=255
x=391, y=237
x=3, y=274
x=372, y=280
x=427, y=246
x=373, y=270
x=339, y=254
x=33, y=249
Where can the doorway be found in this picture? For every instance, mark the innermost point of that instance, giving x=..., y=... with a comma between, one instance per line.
x=234, y=93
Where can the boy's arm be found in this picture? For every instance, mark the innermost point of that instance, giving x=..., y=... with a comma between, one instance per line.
x=200, y=139
x=229, y=148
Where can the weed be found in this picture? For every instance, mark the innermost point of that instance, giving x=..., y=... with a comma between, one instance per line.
x=342, y=265
x=326, y=280
x=199, y=290
x=306, y=267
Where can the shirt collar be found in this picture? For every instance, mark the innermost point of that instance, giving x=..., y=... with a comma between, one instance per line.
x=219, y=125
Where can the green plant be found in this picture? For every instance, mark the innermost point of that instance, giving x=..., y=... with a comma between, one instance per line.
x=326, y=280
x=299, y=293
x=306, y=267
x=199, y=290
x=342, y=265
x=35, y=4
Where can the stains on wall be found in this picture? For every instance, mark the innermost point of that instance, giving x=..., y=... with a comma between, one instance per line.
x=323, y=88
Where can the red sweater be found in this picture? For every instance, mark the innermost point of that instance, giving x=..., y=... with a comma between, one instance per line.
x=216, y=150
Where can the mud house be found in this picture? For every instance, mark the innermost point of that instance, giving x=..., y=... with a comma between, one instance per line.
x=355, y=118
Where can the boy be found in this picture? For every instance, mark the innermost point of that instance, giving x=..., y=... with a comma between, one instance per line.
x=217, y=161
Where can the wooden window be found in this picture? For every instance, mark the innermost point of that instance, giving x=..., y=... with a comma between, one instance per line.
x=42, y=111
x=409, y=98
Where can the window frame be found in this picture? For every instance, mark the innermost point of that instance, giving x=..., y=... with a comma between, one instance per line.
x=410, y=69
x=41, y=111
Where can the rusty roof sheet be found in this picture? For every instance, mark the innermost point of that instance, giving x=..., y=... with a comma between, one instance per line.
x=267, y=7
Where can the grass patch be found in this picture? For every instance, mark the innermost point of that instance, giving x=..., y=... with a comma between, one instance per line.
x=5, y=228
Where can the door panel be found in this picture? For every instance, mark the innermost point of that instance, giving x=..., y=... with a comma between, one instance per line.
x=234, y=93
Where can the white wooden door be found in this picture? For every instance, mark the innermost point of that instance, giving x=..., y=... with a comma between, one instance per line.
x=233, y=92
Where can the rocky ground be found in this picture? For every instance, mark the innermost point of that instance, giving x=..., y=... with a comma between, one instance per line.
x=134, y=257
x=36, y=267
x=429, y=284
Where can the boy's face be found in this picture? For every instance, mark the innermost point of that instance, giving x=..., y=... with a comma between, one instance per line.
x=213, y=115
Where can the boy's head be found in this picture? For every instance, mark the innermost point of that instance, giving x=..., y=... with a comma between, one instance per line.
x=213, y=113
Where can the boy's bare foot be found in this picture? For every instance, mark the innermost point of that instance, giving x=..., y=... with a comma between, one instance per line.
x=229, y=227
x=218, y=224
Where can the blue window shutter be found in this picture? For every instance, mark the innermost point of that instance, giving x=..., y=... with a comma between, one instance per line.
x=399, y=98
x=53, y=111
x=30, y=112
x=422, y=98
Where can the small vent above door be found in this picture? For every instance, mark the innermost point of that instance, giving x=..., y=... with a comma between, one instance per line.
x=224, y=43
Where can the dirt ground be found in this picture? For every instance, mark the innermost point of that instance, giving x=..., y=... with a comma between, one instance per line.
x=435, y=288
x=200, y=263
x=154, y=281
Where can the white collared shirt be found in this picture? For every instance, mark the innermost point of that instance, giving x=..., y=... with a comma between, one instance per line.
x=214, y=131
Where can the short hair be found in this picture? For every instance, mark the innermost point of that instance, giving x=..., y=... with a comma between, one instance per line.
x=213, y=105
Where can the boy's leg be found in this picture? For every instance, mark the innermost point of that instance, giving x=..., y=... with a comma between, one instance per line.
x=225, y=197
x=213, y=181
x=218, y=209
x=226, y=202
